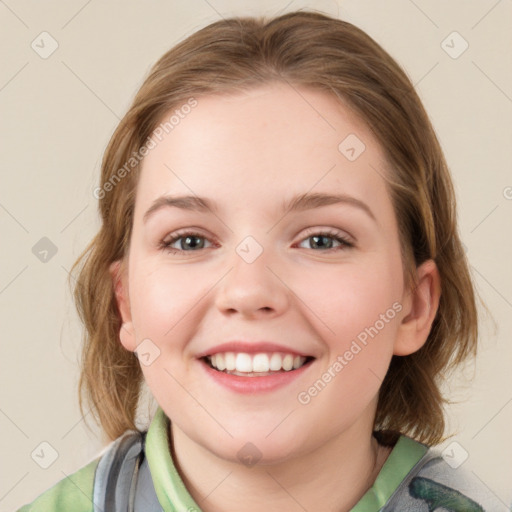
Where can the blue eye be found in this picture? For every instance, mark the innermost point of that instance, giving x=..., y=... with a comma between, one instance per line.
x=323, y=241
x=326, y=241
x=188, y=242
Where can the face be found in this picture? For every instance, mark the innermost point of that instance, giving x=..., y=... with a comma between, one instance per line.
x=287, y=271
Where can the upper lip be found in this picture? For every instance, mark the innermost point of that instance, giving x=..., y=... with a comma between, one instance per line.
x=254, y=347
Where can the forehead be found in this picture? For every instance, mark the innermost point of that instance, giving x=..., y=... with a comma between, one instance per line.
x=267, y=142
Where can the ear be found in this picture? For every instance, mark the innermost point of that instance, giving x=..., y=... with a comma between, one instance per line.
x=119, y=275
x=420, y=308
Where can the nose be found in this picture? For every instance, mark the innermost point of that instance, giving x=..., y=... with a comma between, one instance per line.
x=253, y=289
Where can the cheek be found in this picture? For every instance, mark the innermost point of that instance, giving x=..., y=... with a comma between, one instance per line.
x=357, y=313
x=162, y=300
x=346, y=299
x=164, y=304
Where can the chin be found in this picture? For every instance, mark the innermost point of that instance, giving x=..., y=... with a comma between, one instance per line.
x=257, y=448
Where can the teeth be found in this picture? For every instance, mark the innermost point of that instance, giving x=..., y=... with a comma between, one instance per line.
x=220, y=362
x=288, y=362
x=230, y=360
x=276, y=362
x=243, y=363
x=258, y=363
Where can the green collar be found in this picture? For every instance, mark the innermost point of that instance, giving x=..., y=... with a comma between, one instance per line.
x=170, y=489
x=403, y=457
x=174, y=496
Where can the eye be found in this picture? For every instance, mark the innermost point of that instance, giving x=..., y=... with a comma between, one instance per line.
x=326, y=241
x=191, y=241
x=184, y=242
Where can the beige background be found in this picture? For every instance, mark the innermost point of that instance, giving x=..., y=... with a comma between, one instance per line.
x=58, y=113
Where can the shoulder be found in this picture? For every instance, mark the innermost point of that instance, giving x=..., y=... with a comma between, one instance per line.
x=436, y=482
x=93, y=484
x=71, y=493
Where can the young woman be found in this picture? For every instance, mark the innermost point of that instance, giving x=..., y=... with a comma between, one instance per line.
x=279, y=263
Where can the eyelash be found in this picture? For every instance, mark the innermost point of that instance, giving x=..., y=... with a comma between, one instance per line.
x=165, y=245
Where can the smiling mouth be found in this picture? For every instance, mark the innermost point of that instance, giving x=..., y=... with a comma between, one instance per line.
x=255, y=365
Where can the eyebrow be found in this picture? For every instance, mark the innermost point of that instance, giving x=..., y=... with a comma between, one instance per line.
x=299, y=202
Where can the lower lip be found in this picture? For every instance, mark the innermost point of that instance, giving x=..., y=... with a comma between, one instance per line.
x=254, y=384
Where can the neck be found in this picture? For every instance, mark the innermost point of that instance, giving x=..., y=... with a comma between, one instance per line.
x=334, y=477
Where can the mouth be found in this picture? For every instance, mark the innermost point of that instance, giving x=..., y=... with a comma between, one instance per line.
x=263, y=364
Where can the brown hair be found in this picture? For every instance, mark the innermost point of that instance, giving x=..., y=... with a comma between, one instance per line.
x=302, y=49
